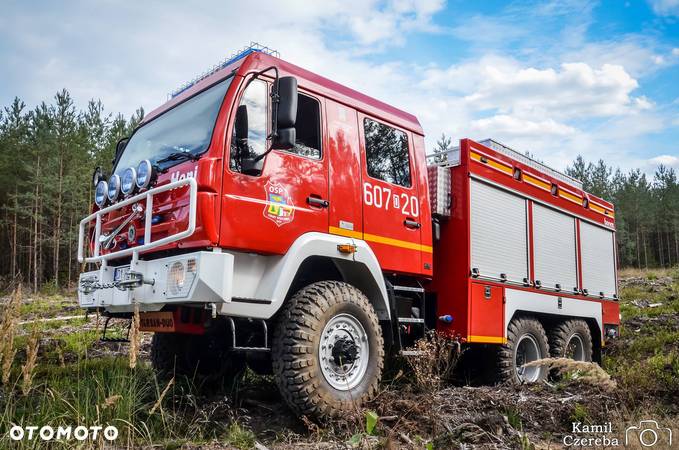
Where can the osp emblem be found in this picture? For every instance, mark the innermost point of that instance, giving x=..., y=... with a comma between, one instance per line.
x=279, y=208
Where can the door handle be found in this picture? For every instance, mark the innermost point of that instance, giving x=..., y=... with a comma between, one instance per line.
x=409, y=223
x=317, y=201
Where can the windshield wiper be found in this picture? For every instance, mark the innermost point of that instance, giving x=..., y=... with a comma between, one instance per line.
x=177, y=156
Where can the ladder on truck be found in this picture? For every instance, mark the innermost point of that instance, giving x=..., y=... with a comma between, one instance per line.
x=407, y=303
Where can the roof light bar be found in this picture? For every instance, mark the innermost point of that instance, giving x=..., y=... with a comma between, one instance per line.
x=253, y=47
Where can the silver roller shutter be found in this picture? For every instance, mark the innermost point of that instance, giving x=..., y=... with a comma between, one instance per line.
x=598, y=259
x=498, y=233
x=554, y=248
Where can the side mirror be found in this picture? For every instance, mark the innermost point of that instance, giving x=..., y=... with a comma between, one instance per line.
x=285, y=113
x=97, y=176
x=120, y=147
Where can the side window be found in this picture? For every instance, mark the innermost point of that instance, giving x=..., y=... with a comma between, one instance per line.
x=248, y=139
x=308, y=128
x=387, y=153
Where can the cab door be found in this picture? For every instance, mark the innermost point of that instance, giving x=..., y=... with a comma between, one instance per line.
x=265, y=209
x=391, y=208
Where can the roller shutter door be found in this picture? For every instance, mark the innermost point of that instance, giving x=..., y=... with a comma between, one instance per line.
x=598, y=259
x=554, y=248
x=498, y=233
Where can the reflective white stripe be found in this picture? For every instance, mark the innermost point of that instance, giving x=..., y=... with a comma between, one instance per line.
x=518, y=300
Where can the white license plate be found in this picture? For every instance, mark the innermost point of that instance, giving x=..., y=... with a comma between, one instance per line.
x=120, y=273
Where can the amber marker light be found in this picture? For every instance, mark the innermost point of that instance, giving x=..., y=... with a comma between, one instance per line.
x=346, y=248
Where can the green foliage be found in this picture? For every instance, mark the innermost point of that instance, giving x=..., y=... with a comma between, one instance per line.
x=371, y=419
x=646, y=211
x=580, y=413
x=47, y=156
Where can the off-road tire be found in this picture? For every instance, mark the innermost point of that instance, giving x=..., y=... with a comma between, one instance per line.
x=206, y=356
x=563, y=332
x=295, y=350
x=519, y=327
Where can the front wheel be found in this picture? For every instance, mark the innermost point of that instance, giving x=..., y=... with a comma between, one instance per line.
x=328, y=351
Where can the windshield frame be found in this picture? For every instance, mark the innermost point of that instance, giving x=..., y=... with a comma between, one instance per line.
x=166, y=165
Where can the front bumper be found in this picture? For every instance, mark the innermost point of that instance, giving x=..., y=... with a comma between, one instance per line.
x=207, y=278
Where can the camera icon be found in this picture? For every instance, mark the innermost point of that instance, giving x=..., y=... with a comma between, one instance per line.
x=648, y=432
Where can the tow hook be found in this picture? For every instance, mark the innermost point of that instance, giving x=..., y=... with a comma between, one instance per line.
x=134, y=280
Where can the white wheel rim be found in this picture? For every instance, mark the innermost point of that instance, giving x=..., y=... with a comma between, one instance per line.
x=527, y=350
x=575, y=349
x=344, y=352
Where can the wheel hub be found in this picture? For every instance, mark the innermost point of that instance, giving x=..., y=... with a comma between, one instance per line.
x=343, y=352
x=527, y=350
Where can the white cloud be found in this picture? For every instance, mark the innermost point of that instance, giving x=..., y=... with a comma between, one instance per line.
x=573, y=102
x=665, y=160
x=665, y=7
x=513, y=126
x=675, y=51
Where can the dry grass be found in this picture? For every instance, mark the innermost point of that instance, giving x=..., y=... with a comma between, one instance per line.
x=8, y=333
x=135, y=337
x=437, y=357
x=586, y=372
x=27, y=370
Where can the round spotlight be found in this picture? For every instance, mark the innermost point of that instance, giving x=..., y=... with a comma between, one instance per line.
x=128, y=181
x=113, y=187
x=100, y=193
x=144, y=174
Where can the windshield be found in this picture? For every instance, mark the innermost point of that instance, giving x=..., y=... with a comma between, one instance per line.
x=186, y=128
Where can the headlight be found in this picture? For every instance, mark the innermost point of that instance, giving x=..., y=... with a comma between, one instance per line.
x=180, y=277
x=144, y=174
x=113, y=187
x=100, y=193
x=128, y=181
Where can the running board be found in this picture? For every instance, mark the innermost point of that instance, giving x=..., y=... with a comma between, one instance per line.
x=236, y=348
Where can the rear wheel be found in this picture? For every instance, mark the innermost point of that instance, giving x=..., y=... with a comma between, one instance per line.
x=328, y=351
x=571, y=339
x=526, y=342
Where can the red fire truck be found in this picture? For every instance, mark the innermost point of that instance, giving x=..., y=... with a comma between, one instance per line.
x=267, y=216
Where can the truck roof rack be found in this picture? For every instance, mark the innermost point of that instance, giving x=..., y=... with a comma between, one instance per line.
x=253, y=47
x=452, y=158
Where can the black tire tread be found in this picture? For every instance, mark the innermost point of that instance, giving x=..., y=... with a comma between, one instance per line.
x=294, y=356
x=506, y=371
x=561, y=333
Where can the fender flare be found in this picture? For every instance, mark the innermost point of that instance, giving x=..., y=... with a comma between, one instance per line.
x=518, y=301
x=276, y=282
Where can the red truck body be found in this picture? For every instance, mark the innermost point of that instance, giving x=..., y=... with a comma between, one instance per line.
x=479, y=316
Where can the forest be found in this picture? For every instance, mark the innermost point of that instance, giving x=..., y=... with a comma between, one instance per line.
x=48, y=153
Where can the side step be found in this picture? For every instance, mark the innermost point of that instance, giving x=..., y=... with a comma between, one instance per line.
x=237, y=348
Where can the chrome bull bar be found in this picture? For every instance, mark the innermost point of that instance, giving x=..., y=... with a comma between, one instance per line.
x=148, y=212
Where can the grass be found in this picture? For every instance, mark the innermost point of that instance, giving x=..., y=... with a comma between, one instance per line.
x=105, y=391
x=69, y=386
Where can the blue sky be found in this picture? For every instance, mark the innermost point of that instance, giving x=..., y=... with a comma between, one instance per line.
x=557, y=78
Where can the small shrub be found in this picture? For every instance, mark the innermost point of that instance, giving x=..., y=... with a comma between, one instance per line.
x=437, y=357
